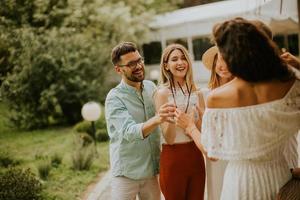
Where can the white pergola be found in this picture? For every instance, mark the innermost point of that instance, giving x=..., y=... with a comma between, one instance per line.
x=280, y=15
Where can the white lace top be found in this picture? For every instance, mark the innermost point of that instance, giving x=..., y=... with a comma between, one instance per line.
x=182, y=103
x=253, y=139
x=251, y=132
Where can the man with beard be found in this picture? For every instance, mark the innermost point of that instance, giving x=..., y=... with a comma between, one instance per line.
x=133, y=128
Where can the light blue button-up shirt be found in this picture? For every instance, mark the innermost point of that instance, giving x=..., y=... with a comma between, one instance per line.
x=126, y=109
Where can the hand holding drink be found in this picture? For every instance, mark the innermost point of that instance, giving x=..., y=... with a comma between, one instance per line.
x=166, y=112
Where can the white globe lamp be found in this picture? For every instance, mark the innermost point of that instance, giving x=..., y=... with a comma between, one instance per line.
x=91, y=111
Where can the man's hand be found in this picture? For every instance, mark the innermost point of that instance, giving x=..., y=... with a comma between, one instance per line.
x=166, y=113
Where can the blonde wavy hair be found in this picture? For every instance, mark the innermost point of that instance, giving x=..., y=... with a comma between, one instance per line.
x=214, y=81
x=165, y=75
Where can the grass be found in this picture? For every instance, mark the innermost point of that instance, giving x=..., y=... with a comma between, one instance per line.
x=33, y=147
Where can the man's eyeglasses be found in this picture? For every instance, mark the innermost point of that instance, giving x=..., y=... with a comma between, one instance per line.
x=133, y=64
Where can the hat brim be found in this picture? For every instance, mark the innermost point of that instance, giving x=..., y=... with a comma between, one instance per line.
x=208, y=57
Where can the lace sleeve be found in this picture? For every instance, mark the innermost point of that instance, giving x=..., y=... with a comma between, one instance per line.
x=235, y=134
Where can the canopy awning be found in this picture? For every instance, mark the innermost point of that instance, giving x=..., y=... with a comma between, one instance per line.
x=281, y=15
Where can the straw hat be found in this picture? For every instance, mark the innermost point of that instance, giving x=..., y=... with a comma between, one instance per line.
x=208, y=57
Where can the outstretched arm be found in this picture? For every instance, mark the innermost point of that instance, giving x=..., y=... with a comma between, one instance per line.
x=168, y=126
x=120, y=123
x=163, y=114
x=186, y=122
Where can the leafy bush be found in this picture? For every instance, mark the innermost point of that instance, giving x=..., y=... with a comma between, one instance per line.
x=84, y=153
x=85, y=126
x=85, y=139
x=44, y=169
x=56, y=160
x=102, y=135
x=100, y=125
x=19, y=184
x=83, y=158
x=56, y=58
x=40, y=156
x=6, y=160
x=51, y=82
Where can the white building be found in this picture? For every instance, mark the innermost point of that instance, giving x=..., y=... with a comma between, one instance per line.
x=192, y=27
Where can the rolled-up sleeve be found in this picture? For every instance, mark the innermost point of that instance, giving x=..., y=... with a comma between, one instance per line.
x=119, y=121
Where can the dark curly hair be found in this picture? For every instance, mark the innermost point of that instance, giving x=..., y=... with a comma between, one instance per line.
x=249, y=53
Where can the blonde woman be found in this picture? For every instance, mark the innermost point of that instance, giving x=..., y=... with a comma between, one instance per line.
x=219, y=73
x=182, y=168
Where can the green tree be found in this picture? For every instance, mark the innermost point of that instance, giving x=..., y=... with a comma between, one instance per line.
x=57, y=53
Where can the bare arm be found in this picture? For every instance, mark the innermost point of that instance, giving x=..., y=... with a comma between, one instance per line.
x=195, y=134
x=168, y=128
x=120, y=123
x=186, y=122
x=162, y=115
x=291, y=60
x=200, y=109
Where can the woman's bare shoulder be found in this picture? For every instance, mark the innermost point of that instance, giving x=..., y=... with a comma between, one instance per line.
x=162, y=91
x=223, y=97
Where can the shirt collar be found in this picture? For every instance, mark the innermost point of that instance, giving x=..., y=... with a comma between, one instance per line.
x=129, y=88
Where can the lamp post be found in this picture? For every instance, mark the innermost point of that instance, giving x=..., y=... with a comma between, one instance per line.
x=91, y=111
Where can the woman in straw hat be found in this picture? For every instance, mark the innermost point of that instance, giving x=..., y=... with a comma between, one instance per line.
x=249, y=120
x=182, y=168
x=219, y=76
x=219, y=73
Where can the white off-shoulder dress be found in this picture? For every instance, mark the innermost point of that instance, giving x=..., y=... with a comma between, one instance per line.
x=215, y=170
x=253, y=139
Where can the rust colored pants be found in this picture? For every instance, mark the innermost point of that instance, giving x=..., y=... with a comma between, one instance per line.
x=182, y=172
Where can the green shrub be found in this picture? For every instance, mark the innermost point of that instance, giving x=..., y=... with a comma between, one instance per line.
x=56, y=160
x=86, y=127
x=83, y=127
x=54, y=76
x=44, y=169
x=85, y=139
x=83, y=157
x=102, y=135
x=6, y=160
x=40, y=156
x=54, y=59
x=101, y=123
x=19, y=184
